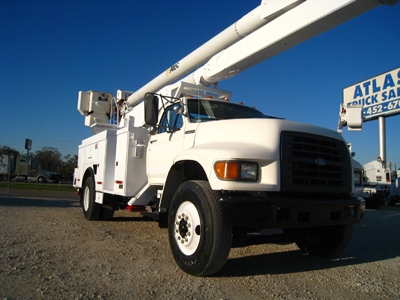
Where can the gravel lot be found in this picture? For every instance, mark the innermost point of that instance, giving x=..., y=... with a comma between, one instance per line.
x=49, y=251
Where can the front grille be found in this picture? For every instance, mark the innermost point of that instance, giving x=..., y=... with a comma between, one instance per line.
x=300, y=171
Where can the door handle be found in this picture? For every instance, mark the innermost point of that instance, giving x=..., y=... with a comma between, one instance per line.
x=153, y=141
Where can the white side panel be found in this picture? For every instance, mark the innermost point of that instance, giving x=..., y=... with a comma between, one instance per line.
x=119, y=184
x=100, y=167
x=109, y=161
x=130, y=164
x=98, y=153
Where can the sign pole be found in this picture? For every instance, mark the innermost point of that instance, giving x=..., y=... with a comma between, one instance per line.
x=9, y=173
x=382, y=138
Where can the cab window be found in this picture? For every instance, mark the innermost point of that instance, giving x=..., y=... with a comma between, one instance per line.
x=209, y=110
x=170, y=121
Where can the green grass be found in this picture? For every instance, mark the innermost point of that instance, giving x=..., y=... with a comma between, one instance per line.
x=37, y=186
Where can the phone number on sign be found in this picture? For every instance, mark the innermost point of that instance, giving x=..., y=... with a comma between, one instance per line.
x=381, y=108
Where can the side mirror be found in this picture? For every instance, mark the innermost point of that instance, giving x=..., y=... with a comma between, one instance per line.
x=151, y=109
x=178, y=109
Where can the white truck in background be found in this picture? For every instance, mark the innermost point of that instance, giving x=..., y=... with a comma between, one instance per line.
x=213, y=171
x=395, y=189
x=377, y=183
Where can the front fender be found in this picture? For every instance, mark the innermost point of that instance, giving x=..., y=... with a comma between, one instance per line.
x=208, y=154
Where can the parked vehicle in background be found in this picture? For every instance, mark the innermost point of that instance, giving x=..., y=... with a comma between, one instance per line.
x=376, y=183
x=12, y=166
x=395, y=189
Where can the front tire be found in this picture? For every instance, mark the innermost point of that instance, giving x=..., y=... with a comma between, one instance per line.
x=199, y=238
x=91, y=209
x=41, y=179
x=326, y=241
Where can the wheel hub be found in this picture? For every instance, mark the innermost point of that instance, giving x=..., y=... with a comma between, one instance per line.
x=187, y=228
x=183, y=228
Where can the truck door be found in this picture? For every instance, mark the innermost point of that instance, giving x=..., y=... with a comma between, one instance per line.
x=22, y=166
x=164, y=146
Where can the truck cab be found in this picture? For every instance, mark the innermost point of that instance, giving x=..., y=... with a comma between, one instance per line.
x=28, y=167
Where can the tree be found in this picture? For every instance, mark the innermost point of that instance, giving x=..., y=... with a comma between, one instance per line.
x=7, y=151
x=69, y=164
x=49, y=158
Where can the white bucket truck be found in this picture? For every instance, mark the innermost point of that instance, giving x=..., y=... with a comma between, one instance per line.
x=213, y=171
x=377, y=183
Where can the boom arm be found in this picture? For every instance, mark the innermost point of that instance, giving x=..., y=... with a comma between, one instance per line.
x=302, y=23
x=267, y=11
x=275, y=26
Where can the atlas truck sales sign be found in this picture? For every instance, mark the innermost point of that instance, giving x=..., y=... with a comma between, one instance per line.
x=379, y=96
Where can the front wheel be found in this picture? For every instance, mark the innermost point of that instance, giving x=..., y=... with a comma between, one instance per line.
x=326, y=241
x=41, y=179
x=199, y=238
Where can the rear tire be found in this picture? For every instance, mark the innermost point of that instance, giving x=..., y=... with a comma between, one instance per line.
x=199, y=238
x=326, y=241
x=91, y=209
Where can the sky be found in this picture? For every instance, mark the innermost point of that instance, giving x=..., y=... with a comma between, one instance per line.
x=50, y=50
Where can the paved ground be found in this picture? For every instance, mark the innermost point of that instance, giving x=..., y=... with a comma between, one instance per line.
x=49, y=251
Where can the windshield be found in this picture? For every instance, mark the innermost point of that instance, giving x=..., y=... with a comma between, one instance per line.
x=35, y=163
x=206, y=110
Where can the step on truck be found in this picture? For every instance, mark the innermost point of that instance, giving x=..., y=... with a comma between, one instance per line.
x=212, y=171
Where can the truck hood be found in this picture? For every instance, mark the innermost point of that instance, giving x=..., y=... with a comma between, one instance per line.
x=264, y=133
x=45, y=172
x=247, y=140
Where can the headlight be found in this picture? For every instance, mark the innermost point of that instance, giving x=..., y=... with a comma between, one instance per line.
x=237, y=170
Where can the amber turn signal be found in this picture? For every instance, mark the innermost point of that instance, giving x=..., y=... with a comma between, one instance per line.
x=227, y=170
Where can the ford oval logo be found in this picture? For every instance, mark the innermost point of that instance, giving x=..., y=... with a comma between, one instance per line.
x=321, y=162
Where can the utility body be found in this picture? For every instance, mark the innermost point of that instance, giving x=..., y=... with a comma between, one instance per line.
x=213, y=171
x=12, y=166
